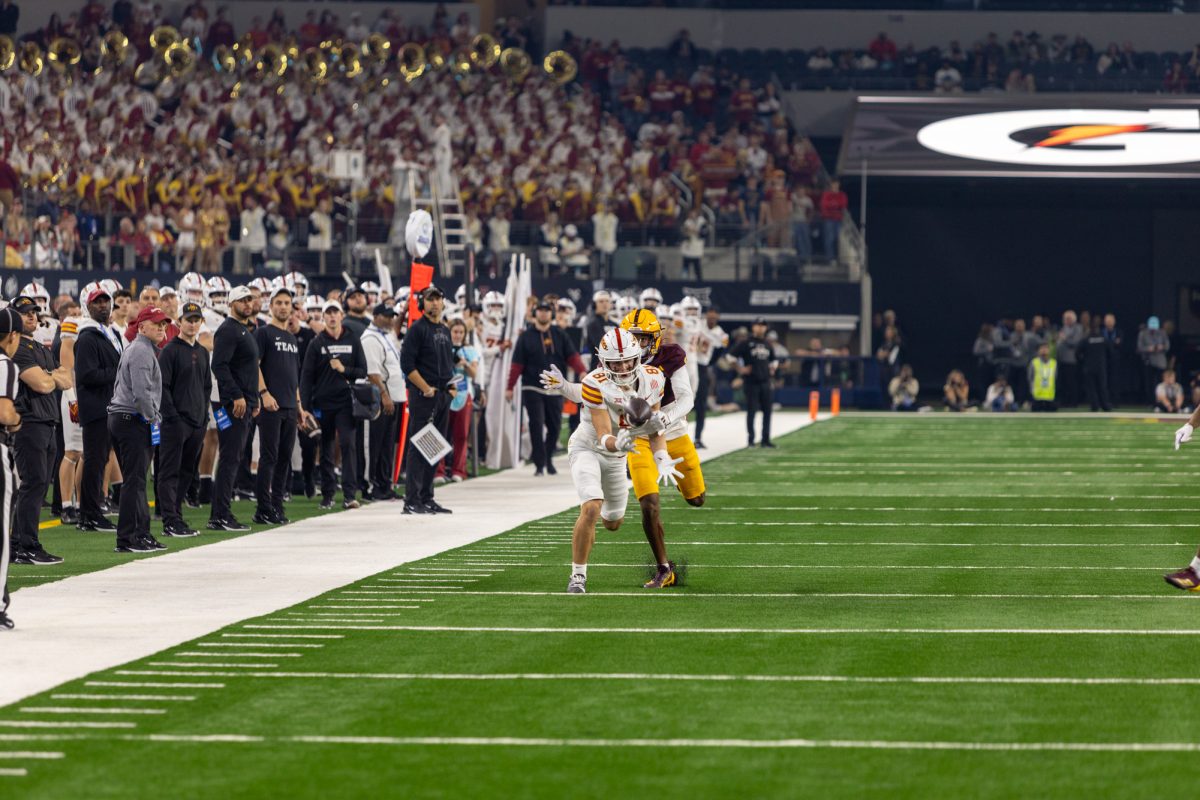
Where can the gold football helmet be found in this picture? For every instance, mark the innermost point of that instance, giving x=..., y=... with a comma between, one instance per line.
x=646, y=328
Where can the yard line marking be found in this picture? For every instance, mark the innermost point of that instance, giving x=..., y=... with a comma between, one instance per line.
x=767, y=631
x=38, y=755
x=181, y=698
x=284, y=636
x=253, y=644
x=860, y=567
x=153, y=685
x=239, y=655
x=837, y=524
x=86, y=710
x=856, y=595
x=428, y=580
x=336, y=614
x=800, y=543
x=397, y=590
x=202, y=664
x=14, y=773
x=381, y=618
x=956, y=509
x=347, y=608
x=44, y=724
x=1021, y=496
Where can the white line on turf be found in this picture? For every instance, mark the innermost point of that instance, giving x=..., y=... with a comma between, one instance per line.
x=427, y=580
x=759, y=631
x=38, y=723
x=347, y=608
x=1177, y=596
x=205, y=664
x=155, y=685
x=86, y=710
x=831, y=509
x=14, y=773
x=33, y=755
x=388, y=592
x=926, y=524
x=861, y=567
x=254, y=644
x=178, y=698
x=800, y=543
x=336, y=614
x=283, y=636
x=237, y=655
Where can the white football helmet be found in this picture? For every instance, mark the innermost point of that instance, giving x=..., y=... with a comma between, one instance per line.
x=84, y=292
x=111, y=285
x=371, y=289
x=622, y=308
x=666, y=315
x=313, y=303
x=297, y=283
x=191, y=286
x=460, y=296
x=565, y=304
x=601, y=294
x=216, y=294
x=690, y=307
x=38, y=293
x=494, y=306
x=620, y=354
x=261, y=284
x=402, y=295
x=651, y=298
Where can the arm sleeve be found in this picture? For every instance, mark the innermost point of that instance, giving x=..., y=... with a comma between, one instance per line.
x=88, y=369
x=308, y=374
x=222, y=351
x=590, y=394
x=359, y=368
x=141, y=377
x=573, y=392
x=166, y=363
x=685, y=396
x=576, y=363
x=514, y=374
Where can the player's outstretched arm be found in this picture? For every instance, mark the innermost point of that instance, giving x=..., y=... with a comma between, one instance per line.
x=1184, y=434
x=554, y=382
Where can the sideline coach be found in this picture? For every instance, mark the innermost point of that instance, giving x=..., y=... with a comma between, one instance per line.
x=426, y=359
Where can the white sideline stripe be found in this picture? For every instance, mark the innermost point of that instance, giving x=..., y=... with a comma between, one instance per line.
x=14, y=773
x=44, y=724
x=253, y=644
x=435, y=571
x=811, y=524
x=180, y=698
x=397, y=590
x=86, y=710
x=152, y=685
x=967, y=680
x=766, y=631
x=238, y=655
x=37, y=755
x=956, y=509
x=427, y=585
x=429, y=580
x=322, y=614
x=952, y=474
x=748, y=744
x=800, y=543
x=856, y=595
x=283, y=636
x=204, y=664
x=860, y=567
x=347, y=608
x=351, y=620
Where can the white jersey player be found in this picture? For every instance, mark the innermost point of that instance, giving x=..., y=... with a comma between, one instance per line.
x=597, y=449
x=689, y=328
x=47, y=325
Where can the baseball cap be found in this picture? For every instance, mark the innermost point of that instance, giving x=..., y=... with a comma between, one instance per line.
x=354, y=290
x=432, y=291
x=1153, y=323
x=543, y=304
x=759, y=321
x=240, y=293
x=9, y=321
x=278, y=290
x=96, y=294
x=150, y=314
x=191, y=310
x=331, y=304
x=384, y=308
x=24, y=305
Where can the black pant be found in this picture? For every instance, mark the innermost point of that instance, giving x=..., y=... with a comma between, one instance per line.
x=131, y=438
x=178, y=453
x=418, y=477
x=245, y=477
x=545, y=423
x=33, y=447
x=384, y=432
x=309, y=448
x=1095, y=384
x=231, y=444
x=276, y=438
x=1068, y=384
x=363, y=469
x=693, y=264
x=703, y=387
x=96, y=446
x=337, y=429
x=759, y=397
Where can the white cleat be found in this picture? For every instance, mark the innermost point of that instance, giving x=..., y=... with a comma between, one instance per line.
x=577, y=584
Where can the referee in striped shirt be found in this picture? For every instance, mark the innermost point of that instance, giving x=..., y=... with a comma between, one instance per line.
x=10, y=339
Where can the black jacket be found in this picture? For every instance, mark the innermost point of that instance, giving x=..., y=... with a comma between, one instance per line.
x=427, y=349
x=186, y=383
x=96, y=363
x=235, y=363
x=321, y=386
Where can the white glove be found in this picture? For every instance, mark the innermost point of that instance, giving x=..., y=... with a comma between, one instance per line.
x=668, y=475
x=625, y=443
x=1184, y=434
x=657, y=424
x=552, y=380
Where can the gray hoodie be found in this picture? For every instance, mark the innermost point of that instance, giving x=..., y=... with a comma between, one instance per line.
x=139, y=381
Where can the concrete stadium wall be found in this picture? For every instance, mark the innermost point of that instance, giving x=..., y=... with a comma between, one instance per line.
x=655, y=27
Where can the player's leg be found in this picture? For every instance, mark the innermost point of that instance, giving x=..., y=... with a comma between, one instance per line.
x=691, y=485
x=585, y=473
x=1187, y=578
x=752, y=396
x=768, y=399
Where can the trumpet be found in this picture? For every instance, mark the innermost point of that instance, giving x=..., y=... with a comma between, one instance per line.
x=377, y=49
x=515, y=63
x=31, y=62
x=8, y=53
x=163, y=37
x=460, y=63
x=561, y=67
x=180, y=60
x=484, y=51
x=63, y=54
x=272, y=62
x=114, y=49
x=412, y=61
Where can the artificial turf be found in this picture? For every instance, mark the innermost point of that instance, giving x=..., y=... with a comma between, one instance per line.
x=925, y=607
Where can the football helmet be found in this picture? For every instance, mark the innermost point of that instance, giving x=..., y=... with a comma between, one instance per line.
x=620, y=355
x=38, y=293
x=494, y=306
x=622, y=307
x=216, y=294
x=261, y=284
x=191, y=286
x=649, y=297
x=460, y=296
x=567, y=305
x=297, y=283
x=690, y=307
x=403, y=294
x=371, y=289
x=642, y=323
x=112, y=286
x=314, y=303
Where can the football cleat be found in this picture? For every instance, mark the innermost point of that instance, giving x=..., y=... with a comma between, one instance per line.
x=1185, y=579
x=577, y=584
x=663, y=578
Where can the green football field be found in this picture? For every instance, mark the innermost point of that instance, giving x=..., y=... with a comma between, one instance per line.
x=897, y=606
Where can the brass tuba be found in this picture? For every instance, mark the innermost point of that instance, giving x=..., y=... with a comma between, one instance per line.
x=224, y=59
x=515, y=63
x=243, y=52
x=412, y=61
x=31, y=62
x=163, y=37
x=114, y=49
x=8, y=53
x=484, y=51
x=348, y=60
x=560, y=66
x=63, y=54
x=271, y=63
x=315, y=65
x=377, y=49
x=179, y=59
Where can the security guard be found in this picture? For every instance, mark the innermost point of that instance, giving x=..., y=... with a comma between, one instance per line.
x=33, y=444
x=10, y=340
x=1043, y=374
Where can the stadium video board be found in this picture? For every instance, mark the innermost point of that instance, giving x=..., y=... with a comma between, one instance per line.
x=1025, y=137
